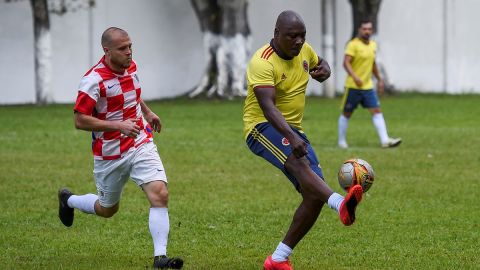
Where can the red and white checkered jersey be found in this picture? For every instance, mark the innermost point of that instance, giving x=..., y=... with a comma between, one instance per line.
x=112, y=97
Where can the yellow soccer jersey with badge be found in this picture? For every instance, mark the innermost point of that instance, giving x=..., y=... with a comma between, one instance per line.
x=289, y=77
x=363, y=57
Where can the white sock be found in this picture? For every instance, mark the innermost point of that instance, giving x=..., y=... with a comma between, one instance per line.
x=281, y=253
x=334, y=201
x=84, y=203
x=342, y=129
x=159, y=225
x=381, y=127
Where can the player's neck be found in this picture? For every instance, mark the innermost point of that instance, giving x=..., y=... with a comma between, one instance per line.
x=278, y=51
x=366, y=41
x=115, y=68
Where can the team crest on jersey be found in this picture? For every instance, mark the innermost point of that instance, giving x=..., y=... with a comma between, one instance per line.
x=284, y=77
x=305, y=65
x=285, y=141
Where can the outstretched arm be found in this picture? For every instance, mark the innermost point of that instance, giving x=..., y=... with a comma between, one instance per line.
x=266, y=99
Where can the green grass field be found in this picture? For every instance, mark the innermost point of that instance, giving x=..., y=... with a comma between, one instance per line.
x=229, y=208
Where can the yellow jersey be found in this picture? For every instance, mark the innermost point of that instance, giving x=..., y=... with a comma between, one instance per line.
x=288, y=77
x=363, y=57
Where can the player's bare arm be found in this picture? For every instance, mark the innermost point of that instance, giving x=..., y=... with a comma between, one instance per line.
x=321, y=71
x=266, y=100
x=151, y=117
x=347, y=64
x=128, y=127
x=380, y=83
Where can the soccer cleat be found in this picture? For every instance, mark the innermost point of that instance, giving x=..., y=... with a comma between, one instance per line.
x=349, y=204
x=65, y=213
x=270, y=264
x=163, y=262
x=343, y=145
x=392, y=142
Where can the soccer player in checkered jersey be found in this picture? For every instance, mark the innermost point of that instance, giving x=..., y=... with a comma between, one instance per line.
x=109, y=104
x=359, y=62
x=277, y=77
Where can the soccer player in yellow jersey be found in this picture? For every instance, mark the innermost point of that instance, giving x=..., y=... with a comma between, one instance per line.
x=277, y=78
x=359, y=62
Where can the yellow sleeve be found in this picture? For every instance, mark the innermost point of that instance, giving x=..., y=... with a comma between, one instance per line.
x=312, y=56
x=260, y=72
x=350, y=49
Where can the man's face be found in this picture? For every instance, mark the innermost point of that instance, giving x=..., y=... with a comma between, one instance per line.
x=365, y=30
x=120, y=51
x=290, y=38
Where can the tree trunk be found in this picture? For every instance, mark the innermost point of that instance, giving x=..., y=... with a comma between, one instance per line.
x=226, y=39
x=42, y=51
x=368, y=9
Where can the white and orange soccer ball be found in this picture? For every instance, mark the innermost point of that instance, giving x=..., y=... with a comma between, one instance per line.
x=356, y=172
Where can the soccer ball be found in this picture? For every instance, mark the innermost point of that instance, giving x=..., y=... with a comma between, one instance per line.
x=356, y=172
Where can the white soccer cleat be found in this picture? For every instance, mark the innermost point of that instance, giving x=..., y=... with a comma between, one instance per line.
x=392, y=142
x=343, y=145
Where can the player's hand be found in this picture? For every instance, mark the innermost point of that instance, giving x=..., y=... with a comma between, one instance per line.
x=321, y=72
x=130, y=128
x=358, y=82
x=154, y=121
x=380, y=87
x=299, y=146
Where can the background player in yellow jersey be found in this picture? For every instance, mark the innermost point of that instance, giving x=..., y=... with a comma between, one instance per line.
x=277, y=78
x=359, y=62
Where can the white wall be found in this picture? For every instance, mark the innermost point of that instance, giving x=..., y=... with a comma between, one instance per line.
x=168, y=44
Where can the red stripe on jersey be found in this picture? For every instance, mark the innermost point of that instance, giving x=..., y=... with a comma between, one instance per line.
x=269, y=54
x=130, y=113
x=126, y=83
x=101, y=116
x=84, y=104
x=139, y=92
x=132, y=68
x=266, y=51
x=111, y=135
x=111, y=157
x=126, y=143
x=105, y=73
x=103, y=91
x=115, y=103
x=97, y=147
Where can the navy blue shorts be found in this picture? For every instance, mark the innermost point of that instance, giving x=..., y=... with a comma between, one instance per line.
x=353, y=97
x=265, y=141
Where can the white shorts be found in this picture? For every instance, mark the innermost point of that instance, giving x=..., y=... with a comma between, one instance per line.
x=142, y=164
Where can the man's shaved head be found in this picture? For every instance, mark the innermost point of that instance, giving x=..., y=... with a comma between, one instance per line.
x=288, y=18
x=108, y=35
x=289, y=34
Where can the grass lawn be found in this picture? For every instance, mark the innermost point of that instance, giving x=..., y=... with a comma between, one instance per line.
x=229, y=208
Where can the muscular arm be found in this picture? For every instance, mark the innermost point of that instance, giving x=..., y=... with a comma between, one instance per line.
x=322, y=71
x=266, y=100
x=380, y=83
x=151, y=117
x=90, y=123
x=347, y=64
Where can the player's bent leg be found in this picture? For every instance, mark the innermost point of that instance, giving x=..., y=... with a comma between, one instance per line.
x=106, y=212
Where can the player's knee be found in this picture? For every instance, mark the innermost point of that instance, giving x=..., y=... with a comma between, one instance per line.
x=159, y=198
x=296, y=165
x=106, y=212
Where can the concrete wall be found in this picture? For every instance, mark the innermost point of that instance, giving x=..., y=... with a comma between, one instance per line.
x=428, y=45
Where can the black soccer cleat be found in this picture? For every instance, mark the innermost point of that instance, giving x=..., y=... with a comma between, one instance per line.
x=65, y=213
x=163, y=262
